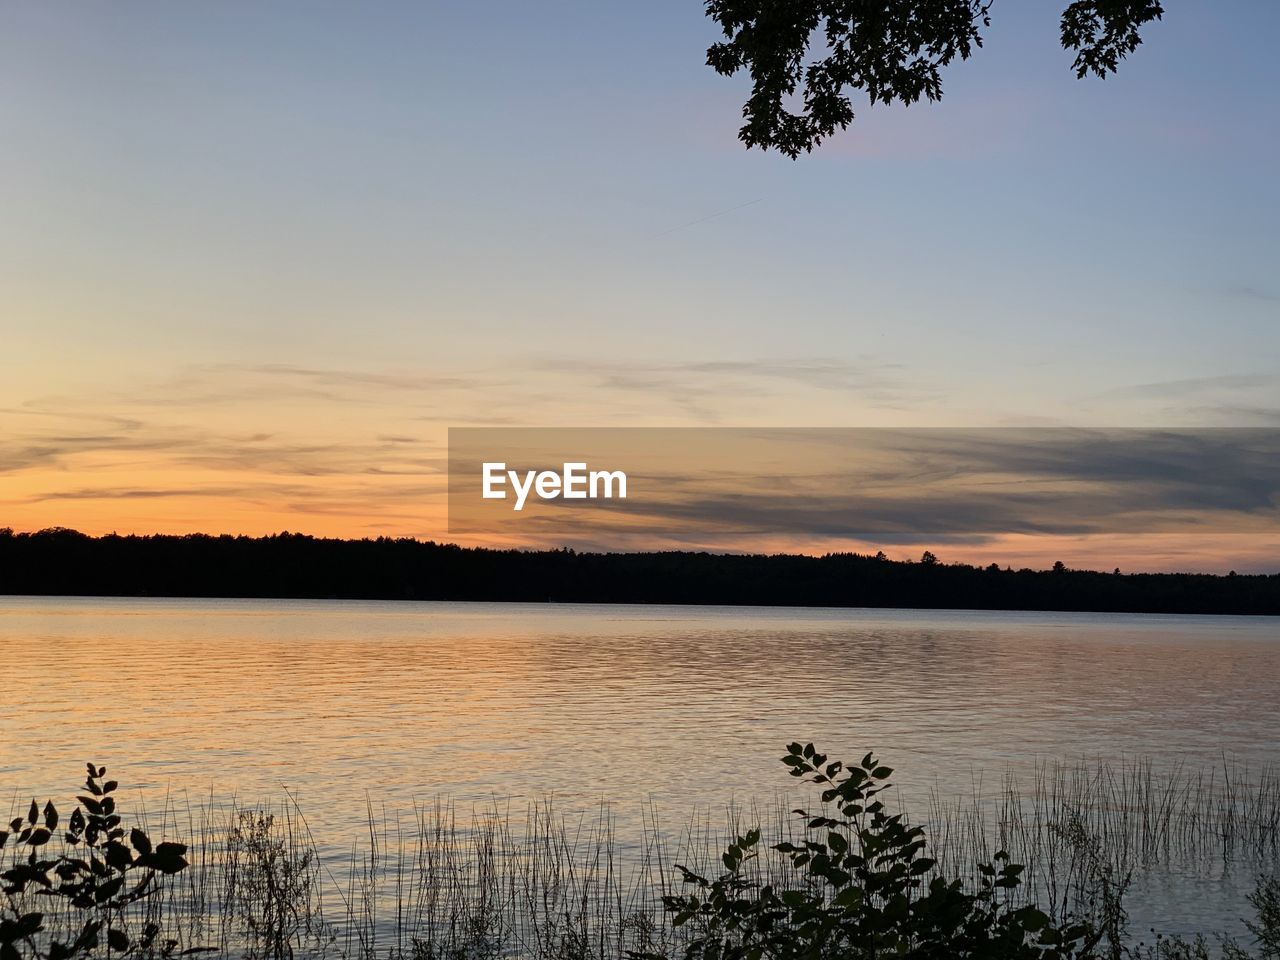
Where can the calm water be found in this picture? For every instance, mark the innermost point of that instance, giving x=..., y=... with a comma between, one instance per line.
x=678, y=706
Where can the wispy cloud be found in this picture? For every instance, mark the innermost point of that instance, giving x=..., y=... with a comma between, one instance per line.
x=702, y=387
x=1194, y=386
x=1226, y=400
x=1250, y=292
x=355, y=442
x=896, y=486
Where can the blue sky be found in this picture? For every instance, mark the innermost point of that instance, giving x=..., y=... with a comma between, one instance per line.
x=323, y=224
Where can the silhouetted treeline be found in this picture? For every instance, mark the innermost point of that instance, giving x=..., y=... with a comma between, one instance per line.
x=65, y=562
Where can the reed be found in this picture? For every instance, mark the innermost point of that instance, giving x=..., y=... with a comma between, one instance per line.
x=443, y=883
x=1067, y=820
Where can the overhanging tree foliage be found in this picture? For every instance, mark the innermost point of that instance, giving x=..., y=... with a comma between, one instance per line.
x=891, y=50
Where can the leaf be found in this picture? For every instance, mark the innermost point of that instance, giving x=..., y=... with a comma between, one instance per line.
x=51, y=816
x=167, y=858
x=141, y=842
x=39, y=837
x=117, y=940
x=838, y=878
x=108, y=890
x=88, y=938
x=30, y=924
x=34, y=815
x=19, y=929
x=1032, y=918
x=117, y=855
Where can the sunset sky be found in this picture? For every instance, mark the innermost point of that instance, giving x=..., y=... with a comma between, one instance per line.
x=256, y=259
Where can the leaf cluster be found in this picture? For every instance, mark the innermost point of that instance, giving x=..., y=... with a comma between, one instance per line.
x=890, y=51
x=103, y=869
x=863, y=887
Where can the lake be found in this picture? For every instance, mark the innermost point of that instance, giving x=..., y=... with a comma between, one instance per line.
x=677, y=707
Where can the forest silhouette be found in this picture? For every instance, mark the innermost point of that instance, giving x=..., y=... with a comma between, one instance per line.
x=64, y=562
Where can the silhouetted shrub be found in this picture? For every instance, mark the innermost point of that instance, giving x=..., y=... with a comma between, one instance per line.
x=865, y=889
x=103, y=869
x=862, y=886
x=851, y=881
x=271, y=888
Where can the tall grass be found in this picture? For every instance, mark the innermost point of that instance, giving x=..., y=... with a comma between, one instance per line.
x=1066, y=821
x=440, y=883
